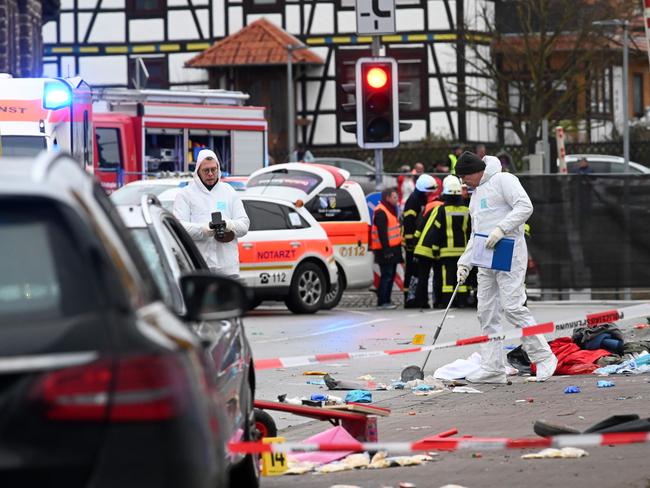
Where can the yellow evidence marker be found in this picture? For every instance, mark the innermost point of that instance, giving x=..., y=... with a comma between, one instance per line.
x=274, y=463
x=418, y=339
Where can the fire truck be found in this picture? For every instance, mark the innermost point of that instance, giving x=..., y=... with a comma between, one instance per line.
x=140, y=132
x=38, y=114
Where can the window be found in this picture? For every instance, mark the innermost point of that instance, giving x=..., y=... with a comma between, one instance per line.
x=158, y=72
x=301, y=180
x=333, y=205
x=44, y=276
x=183, y=261
x=266, y=216
x=601, y=93
x=639, y=106
x=412, y=65
x=153, y=260
x=108, y=148
x=145, y=8
x=23, y=146
x=263, y=6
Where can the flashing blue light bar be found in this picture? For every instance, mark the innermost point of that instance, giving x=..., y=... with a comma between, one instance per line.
x=56, y=95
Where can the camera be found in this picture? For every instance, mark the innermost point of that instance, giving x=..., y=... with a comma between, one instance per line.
x=219, y=226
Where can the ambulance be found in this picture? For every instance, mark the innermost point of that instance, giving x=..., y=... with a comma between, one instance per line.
x=286, y=255
x=46, y=114
x=144, y=131
x=336, y=203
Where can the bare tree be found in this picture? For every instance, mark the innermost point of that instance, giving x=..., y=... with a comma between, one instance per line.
x=539, y=57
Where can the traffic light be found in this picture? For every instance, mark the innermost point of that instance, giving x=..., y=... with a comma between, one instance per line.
x=377, y=103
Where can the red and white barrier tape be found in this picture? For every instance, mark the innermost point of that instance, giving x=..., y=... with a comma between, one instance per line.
x=449, y=444
x=588, y=320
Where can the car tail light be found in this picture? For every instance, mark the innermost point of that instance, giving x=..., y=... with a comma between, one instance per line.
x=140, y=388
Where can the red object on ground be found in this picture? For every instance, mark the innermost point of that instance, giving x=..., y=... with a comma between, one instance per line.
x=573, y=360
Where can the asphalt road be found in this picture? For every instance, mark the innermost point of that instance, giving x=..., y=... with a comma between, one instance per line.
x=274, y=332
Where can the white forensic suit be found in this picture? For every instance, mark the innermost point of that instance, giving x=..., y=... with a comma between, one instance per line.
x=500, y=200
x=194, y=205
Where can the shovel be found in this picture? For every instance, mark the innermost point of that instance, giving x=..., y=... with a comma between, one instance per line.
x=414, y=372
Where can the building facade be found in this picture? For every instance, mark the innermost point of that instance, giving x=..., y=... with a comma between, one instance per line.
x=100, y=39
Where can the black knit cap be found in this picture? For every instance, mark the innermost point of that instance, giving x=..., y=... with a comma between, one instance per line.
x=469, y=163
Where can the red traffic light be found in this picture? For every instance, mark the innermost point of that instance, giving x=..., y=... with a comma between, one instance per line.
x=377, y=77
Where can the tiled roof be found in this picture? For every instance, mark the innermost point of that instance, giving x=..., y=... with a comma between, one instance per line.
x=259, y=43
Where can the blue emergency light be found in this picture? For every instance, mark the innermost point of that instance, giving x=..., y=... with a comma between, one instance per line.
x=56, y=95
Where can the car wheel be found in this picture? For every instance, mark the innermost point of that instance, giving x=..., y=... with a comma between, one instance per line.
x=265, y=424
x=333, y=298
x=247, y=471
x=307, y=290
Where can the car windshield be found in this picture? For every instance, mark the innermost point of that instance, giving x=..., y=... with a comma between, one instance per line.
x=22, y=146
x=154, y=261
x=301, y=180
x=132, y=194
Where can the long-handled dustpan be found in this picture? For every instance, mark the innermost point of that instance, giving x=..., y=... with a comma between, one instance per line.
x=415, y=372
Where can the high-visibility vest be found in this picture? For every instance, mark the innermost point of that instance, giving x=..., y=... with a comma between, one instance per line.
x=457, y=223
x=453, y=158
x=424, y=246
x=431, y=205
x=394, y=237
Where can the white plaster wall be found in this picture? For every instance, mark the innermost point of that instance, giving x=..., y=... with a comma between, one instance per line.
x=328, y=101
x=415, y=133
x=147, y=30
x=409, y=19
x=180, y=25
x=50, y=70
x=67, y=27
x=49, y=32
x=438, y=14
x=218, y=19
x=446, y=53
x=439, y=124
x=235, y=19
x=347, y=22
x=323, y=18
x=275, y=19
x=293, y=17
x=103, y=70
x=109, y=27
x=325, y=132
x=179, y=74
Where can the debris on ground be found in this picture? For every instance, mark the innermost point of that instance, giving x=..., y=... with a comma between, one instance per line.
x=551, y=453
x=314, y=373
x=604, y=384
x=358, y=396
x=572, y=389
x=465, y=389
x=366, y=377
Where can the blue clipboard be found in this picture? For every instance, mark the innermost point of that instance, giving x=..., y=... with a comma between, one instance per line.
x=501, y=254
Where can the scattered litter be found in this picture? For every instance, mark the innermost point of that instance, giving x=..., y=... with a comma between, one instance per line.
x=299, y=467
x=641, y=326
x=353, y=461
x=318, y=397
x=412, y=412
x=358, y=396
x=641, y=364
x=418, y=427
x=398, y=385
x=422, y=387
x=293, y=401
x=465, y=389
x=427, y=393
x=334, y=434
x=334, y=384
x=366, y=377
x=564, y=453
x=604, y=384
x=361, y=347
x=624, y=398
x=566, y=414
x=477, y=455
x=581, y=417
x=314, y=373
x=572, y=389
x=316, y=382
x=429, y=381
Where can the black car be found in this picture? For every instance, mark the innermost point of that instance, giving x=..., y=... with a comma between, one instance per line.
x=101, y=383
x=170, y=253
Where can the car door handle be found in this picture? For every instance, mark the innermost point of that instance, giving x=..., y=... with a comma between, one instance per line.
x=295, y=244
x=247, y=245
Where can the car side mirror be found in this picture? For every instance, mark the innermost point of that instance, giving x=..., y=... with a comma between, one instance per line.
x=212, y=297
x=370, y=175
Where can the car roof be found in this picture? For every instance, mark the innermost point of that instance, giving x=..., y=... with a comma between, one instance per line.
x=571, y=158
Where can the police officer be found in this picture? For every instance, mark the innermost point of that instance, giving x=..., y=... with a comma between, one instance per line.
x=452, y=158
x=424, y=187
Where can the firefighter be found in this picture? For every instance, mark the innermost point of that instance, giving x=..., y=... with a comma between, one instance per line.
x=424, y=255
x=451, y=231
x=424, y=187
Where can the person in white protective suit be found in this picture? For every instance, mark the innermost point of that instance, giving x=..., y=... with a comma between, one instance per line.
x=499, y=207
x=194, y=206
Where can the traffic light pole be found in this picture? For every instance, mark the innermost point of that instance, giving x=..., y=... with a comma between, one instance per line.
x=379, y=153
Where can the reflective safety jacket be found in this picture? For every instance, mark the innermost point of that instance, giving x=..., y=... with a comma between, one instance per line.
x=425, y=246
x=453, y=159
x=412, y=210
x=393, y=229
x=452, y=230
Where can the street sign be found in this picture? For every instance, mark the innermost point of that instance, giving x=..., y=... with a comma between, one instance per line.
x=375, y=16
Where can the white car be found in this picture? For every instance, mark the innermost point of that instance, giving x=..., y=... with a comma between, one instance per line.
x=337, y=203
x=360, y=171
x=286, y=254
x=600, y=163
